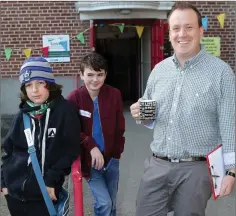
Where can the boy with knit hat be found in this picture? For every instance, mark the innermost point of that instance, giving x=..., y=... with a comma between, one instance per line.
x=54, y=126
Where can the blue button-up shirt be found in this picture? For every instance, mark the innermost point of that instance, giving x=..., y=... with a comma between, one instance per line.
x=97, y=128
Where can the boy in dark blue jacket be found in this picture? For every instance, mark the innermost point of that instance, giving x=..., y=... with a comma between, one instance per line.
x=55, y=128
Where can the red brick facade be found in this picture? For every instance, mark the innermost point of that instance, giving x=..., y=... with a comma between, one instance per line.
x=228, y=40
x=24, y=23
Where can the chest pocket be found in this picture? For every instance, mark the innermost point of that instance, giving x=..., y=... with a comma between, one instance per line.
x=201, y=97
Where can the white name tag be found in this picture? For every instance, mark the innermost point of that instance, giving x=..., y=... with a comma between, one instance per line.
x=28, y=136
x=85, y=113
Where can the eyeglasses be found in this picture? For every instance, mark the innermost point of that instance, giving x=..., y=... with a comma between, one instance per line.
x=214, y=175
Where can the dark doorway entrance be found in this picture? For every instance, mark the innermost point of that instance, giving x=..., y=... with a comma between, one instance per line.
x=123, y=55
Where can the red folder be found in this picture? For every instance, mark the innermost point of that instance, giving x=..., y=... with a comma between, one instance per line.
x=215, y=162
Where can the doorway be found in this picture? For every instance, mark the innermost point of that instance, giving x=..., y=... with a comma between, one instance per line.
x=130, y=58
x=123, y=56
x=123, y=53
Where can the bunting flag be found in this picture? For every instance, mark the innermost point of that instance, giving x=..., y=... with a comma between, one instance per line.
x=8, y=52
x=27, y=52
x=221, y=19
x=80, y=37
x=45, y=51
x=205, y=22
x=121, y=27
x=139, y=30
x=64, y=45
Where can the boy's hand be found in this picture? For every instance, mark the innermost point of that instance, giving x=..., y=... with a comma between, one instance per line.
x=51, y=192
x=5, y=191
x=97, y=158
x=135, y=110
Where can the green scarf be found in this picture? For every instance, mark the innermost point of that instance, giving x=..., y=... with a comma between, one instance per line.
x=43, y=108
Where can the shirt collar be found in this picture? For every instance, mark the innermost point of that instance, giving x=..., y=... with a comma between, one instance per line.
x=192, y=61
x=95, y=100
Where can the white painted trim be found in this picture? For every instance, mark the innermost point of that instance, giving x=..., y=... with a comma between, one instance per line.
x=111, y=9
x=116, y=15
x=110, y=5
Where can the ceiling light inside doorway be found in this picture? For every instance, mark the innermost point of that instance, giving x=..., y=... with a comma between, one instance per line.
x=125, y=11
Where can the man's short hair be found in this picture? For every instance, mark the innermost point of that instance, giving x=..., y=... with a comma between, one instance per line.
x=183, y=6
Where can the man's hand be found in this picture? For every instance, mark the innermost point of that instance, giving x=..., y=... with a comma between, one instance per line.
x=5, y=191
x=51, y=192
x=135, y=110
x=97, y=158
x=227, y=185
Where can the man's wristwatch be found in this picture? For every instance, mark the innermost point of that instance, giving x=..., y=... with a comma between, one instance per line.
x=230, y=173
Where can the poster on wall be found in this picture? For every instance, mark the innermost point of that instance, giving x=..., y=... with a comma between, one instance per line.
x=211, y=45
x=59, y=47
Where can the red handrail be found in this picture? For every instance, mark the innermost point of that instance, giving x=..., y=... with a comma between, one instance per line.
x=77, y=188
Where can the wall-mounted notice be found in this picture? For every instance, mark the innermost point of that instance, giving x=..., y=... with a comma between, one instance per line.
x=59, y=47
x=211, y=45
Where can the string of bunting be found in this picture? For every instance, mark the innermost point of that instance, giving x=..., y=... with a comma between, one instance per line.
x=45, y=50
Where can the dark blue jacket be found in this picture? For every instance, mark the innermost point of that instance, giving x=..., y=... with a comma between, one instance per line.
x=62, y=148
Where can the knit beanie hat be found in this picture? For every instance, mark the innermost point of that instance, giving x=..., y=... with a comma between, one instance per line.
x=36, y=68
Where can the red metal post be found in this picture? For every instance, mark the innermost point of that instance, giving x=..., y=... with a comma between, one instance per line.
x=77, y=188
x=77, y=178
x=92, y=36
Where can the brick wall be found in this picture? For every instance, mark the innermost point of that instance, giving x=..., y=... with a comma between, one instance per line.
x=24, y=23
x=228, y=40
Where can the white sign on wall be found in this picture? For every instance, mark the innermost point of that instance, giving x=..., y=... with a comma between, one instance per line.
x=59, y=47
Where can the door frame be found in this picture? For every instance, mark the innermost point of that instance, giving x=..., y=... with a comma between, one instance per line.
x=158, y=29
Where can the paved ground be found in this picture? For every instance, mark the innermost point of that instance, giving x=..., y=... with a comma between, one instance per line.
x=131, y=166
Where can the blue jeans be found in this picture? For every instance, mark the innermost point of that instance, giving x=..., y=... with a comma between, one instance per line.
x=104, y=186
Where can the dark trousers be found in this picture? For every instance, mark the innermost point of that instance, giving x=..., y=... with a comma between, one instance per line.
x=30, y=208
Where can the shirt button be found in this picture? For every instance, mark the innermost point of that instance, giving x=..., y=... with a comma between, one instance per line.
x=169, y=138
x=171, y=121
x=197, y=95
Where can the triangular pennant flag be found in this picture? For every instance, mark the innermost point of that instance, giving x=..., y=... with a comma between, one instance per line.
x=64, y=45
x=205, y=23
x=45, y=51
x=8, y=52
x=80, y=37
x=221, y=19
x=121, y=27
x=27, y=52
x=139, y=30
